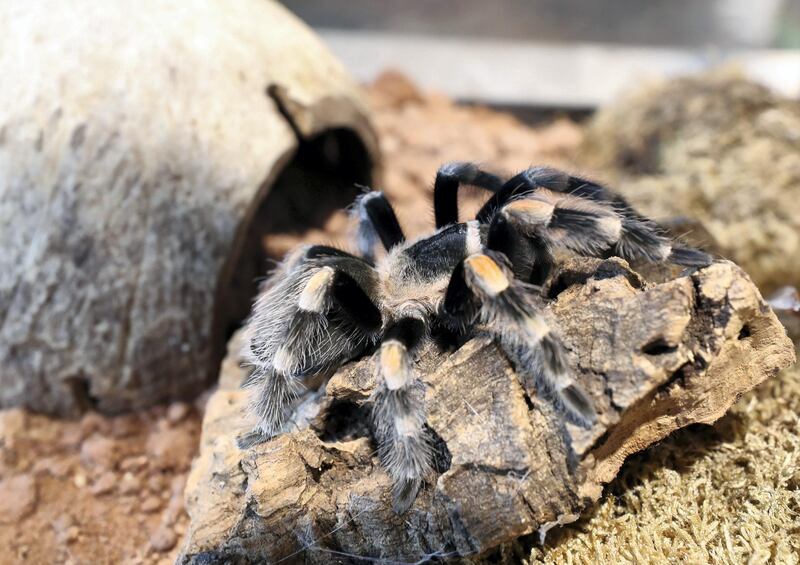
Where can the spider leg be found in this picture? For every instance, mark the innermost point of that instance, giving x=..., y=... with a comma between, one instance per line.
x=376, y=220
x=529, y=180
x=585, y=217
x=522, y=184
x=404, y=446
x=529, y=253
x=318, y=314
x=579, y=225
x=449, y=178
x=507, y=309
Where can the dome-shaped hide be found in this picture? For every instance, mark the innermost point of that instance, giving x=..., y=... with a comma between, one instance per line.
x=138, y=142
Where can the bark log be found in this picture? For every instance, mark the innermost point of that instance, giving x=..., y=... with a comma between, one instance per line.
x=137, y=140
x=654, y=358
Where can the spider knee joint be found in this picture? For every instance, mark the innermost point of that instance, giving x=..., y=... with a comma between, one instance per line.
x=530, y=211
x=395, y=362
x=283, y=361
x=466, y=172
x=535, y=328
x=485, y=274
x=312, y=299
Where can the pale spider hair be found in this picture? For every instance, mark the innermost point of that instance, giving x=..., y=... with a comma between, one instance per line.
x=325, y=306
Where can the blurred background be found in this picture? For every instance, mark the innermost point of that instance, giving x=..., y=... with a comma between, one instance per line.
x=157, y=157
x=573, y=53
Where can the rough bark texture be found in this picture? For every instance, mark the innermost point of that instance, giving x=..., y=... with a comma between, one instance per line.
x=654, y=357
x=137, y=140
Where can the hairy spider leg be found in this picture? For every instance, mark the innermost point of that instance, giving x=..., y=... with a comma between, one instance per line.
x=319, y=313
x=376, y=220
x=520, y=185
x=533, y=178
x=404, y=446
x=449, y=179
x=527, y=228
x=583, y=206
x=642, y=238
x=505, y=307
x=530, y=254
x=579, y=225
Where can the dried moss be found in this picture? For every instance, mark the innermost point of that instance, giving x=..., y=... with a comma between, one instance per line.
x=723, y=494
x=718, y=149
x=723, y=151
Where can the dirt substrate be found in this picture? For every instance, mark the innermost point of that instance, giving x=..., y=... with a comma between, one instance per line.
x=109, y=490
x=97, y=490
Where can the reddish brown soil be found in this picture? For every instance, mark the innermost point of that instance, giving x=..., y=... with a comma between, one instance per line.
x=109, y=490
x=97, y=490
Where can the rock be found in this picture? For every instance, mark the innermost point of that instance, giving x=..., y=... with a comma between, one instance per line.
x=175, y=505
x=653, y=357
x=104, y=484
x=19, y=497
x=80, y=480
x=130, y=484
x=12, y=425
x=395, y=89
x=56, y=467
x=177, y=411
x=71, y=534
x=92, y=422
x=66, y=529
x=126, y=426
x=151, y=504
x=155, y=483
x=99, y=451
x=171, y=448
x=163, y=539
x=136, y=463
x=71, y=438
x=136, y=179
x=715, y=148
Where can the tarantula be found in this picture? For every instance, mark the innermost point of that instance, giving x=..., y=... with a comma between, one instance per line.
x=326, y=306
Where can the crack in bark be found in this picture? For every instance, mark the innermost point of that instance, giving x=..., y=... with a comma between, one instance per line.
x=504, y=472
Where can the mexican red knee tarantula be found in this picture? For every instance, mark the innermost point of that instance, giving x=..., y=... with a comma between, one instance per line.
x=326, y=306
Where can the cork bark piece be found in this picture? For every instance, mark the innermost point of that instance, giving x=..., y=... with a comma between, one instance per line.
x=653, y=357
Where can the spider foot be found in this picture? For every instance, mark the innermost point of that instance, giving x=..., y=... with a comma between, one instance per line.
x=577, y=405
x=404, y=493
x=251, y=439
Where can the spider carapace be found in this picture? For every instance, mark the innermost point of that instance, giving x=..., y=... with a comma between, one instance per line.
x=325, y=306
